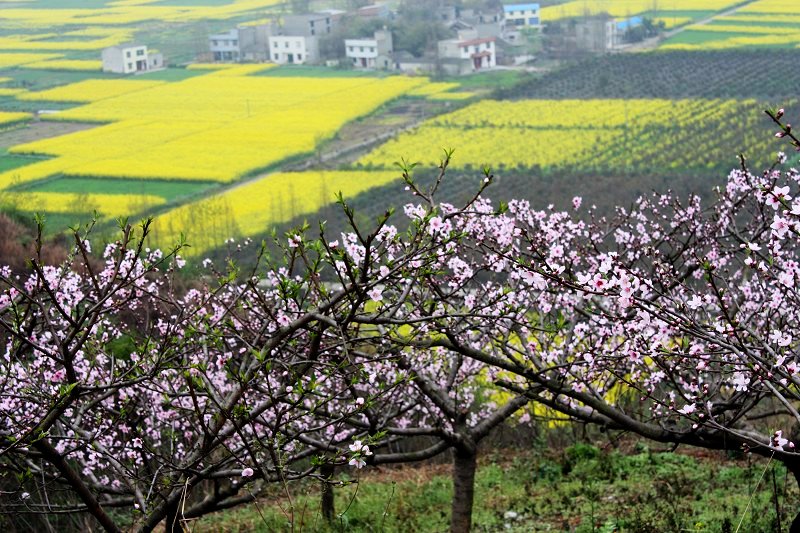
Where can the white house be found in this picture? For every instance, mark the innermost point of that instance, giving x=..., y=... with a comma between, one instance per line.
x=462, y=56
x=371, y=53
x=521, y=15
x=131, y=58
x=294, y=49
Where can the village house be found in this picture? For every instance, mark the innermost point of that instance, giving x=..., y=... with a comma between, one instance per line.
x=466, y=55
x=374, y=53
x=131, y=58
x=294, y=49
x=244, y=43
x=521, y=15
x=374, y=11
x=298, y=40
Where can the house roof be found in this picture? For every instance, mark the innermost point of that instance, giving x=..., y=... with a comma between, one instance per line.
x=472, y=42
x=520, y=7
x=629, y=23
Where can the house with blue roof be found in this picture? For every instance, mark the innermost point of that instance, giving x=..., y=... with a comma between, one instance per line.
x=627, y=24
x=521, y=15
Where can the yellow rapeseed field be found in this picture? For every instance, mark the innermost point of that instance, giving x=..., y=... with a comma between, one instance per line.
x=7, y=118
x=106, y=205
x=564, y=133
x=91, y=90
x=208, y=128
x=65, y=64
x=627, y=8
x=763, y=23
x=11, y=59
x=255, y=207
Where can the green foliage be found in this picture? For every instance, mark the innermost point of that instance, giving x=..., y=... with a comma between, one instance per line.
x=676, y=74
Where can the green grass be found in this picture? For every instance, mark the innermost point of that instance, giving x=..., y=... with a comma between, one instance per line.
x=701, y=36
x=583, y=490
x=11, y=161
x=669, y=13
x=493, y=79
x=37, y=80
x=169, y=190
x=9, y=103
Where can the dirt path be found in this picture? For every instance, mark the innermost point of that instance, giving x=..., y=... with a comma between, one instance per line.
x=38, y=130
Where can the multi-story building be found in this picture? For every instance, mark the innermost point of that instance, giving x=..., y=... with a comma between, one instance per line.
x=521, y=15
x=244, y=43
x=130, y=58
x=225, y=46
x=294, y=49
x=309, y=25
x=375, y=53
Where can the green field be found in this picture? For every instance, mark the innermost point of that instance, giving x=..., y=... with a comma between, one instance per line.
x=702, y=37
x=169, y=190
x=11, y=161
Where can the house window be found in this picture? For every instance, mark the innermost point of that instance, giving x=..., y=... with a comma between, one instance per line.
x=351, y=48
x=235, y=43
x=286, y=44
x=297, y=44
x=362, y=48
x=139, y=52
x=276, y=57
x=372, y=49
x=130, y=65
x=299, y=57
x=213, y=43
x=128, y=53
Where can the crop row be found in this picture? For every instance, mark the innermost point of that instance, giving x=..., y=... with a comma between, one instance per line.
x=610, y=136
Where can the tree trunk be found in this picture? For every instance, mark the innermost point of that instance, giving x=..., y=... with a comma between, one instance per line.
x=172, y=523
x=464, y=463
x=795, y=469
x=328, y=503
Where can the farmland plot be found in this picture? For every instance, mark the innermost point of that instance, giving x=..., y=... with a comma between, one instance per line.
x=587, y=135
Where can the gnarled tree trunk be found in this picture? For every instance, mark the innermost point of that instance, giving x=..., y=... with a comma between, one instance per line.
x=464, y=464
